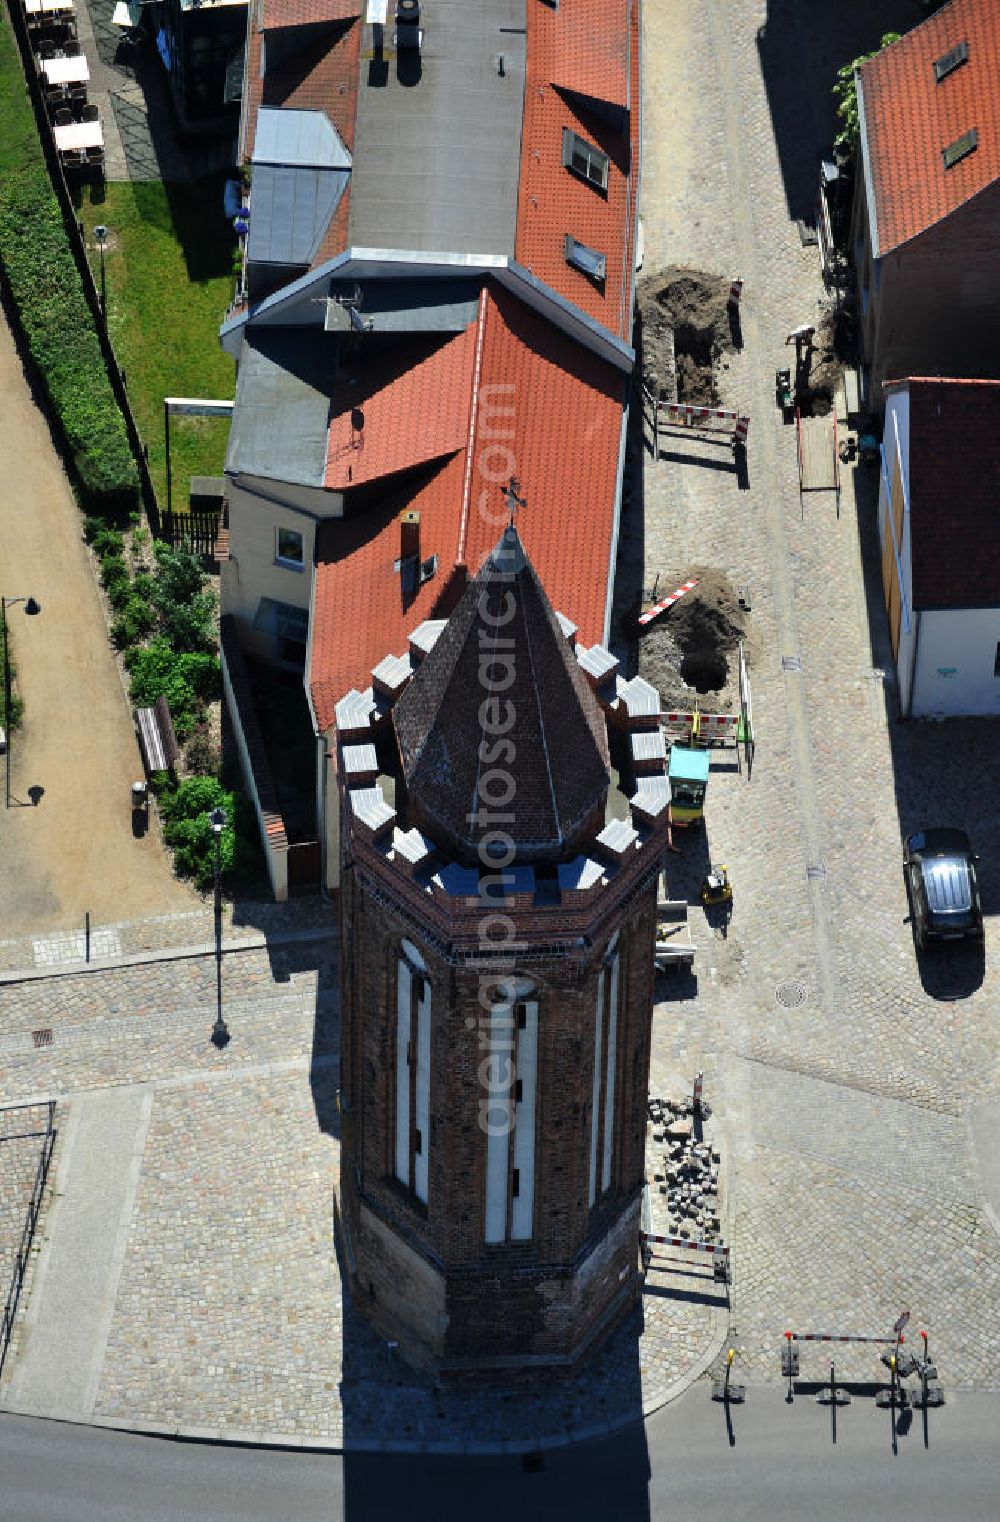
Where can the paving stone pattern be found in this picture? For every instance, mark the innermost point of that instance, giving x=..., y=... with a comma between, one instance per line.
x=853, y=1188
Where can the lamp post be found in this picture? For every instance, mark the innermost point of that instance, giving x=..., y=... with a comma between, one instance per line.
x=31, y=607
x=220, y=1032
x=101, y=234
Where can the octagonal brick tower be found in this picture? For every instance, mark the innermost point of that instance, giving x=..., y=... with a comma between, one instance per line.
x=504, y=808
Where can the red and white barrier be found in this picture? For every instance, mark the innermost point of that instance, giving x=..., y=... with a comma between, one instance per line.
x=668, y=602
x=834, y=1337
x=736, y=291
x=715, y=1248
x=741, y=430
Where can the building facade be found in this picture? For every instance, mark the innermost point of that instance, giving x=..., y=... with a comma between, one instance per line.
x=499, y=866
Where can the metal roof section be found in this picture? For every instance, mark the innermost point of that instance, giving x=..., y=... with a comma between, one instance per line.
x=304, y=300
x=402, y=306
x=290, y=211
x=438, y=130
x=297, y=140
x=280, y=417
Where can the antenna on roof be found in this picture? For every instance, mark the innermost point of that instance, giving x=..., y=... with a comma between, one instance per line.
x=514, y=501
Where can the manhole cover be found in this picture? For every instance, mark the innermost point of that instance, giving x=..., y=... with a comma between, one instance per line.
x=791, y=663
x=790, y=995
x=816, y=873
x=42, y=1037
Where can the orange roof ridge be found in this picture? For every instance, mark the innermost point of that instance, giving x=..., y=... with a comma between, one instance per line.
x=473, y=418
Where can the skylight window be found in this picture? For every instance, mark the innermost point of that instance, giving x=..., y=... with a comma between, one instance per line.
x=584, y=159
x=950, y=61
x=587, y=260
x=960, y=148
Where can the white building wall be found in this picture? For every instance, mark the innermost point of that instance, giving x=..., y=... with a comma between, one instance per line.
x=956, y=658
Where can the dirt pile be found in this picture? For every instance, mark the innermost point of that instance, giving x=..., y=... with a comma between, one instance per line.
x=690, y=653
x=833, y=345
x=687, y=325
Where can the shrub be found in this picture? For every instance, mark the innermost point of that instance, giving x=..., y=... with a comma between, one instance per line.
x=45, y=284
x=106, y=541
x=119, y=591
x=845, y=95
x=187, y=829
x=186, y=608
x=187, y=681
x=142, y=586
x=135, y=620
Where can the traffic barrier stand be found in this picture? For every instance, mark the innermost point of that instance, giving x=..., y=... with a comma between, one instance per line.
x=724, y=1390
x=833, y=1394
x=895, y=1395
x=735, y=291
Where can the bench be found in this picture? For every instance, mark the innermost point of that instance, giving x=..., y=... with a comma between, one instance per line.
x=157, y=740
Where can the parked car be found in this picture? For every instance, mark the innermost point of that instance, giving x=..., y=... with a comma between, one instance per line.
x=940, y=868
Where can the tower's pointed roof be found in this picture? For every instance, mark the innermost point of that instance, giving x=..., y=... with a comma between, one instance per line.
x=499, y=721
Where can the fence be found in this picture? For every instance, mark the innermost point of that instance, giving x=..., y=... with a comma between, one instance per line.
x=28, y=1230
x=75, y=234
x=197, y=530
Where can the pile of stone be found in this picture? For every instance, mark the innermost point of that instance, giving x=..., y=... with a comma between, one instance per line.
x=689, y=1172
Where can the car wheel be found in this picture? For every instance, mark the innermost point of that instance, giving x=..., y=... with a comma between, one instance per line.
x=919, y=937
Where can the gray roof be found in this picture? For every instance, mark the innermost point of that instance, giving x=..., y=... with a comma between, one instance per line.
x=552, y=774
x=290, y=212
x=279, y=427
x=405, y=306
x=438, y=134
x=305, y=139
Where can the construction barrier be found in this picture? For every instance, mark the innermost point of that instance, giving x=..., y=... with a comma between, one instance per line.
x=736, y=291
x=665, y=603
x=720, y=1254
x=705, y=729
x=836, y=1337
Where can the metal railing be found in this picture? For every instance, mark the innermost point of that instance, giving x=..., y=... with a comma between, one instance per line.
x=28, y=1230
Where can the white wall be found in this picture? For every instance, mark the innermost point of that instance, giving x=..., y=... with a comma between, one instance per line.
x=896, y=442
x=956, y=653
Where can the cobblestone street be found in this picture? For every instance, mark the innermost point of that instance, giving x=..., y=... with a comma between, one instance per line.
x=851, y=1082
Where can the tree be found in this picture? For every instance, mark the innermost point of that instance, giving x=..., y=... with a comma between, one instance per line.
x=845, y=94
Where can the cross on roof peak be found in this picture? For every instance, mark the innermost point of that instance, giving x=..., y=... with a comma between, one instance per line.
x=514, y=500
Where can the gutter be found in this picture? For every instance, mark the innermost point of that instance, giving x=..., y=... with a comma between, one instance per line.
x=866, y=167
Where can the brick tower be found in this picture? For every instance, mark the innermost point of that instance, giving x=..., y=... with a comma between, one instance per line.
x=504, y=818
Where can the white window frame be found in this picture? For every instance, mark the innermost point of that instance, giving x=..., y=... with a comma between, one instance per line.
x=286, y=561
x=595, y=167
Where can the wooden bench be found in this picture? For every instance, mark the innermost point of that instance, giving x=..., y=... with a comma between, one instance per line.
x=157, y=740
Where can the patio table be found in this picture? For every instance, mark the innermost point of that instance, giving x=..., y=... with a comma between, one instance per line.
x=77, y=135
x=66, y=71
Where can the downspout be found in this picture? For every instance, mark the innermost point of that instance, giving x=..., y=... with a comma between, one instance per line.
x=320, y=738
x=907, y=711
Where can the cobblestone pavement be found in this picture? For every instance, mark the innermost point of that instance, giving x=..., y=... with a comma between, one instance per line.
x=840, y=1107
x=844, y=1109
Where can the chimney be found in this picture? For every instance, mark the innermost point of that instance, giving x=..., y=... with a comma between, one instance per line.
x=409, y=534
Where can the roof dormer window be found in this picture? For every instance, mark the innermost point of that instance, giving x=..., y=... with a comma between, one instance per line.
x=584, y=159
x=587, y=260
x=949, y=62
x=960, y=148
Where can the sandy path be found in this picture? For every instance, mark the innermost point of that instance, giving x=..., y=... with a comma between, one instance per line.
x=75, y=850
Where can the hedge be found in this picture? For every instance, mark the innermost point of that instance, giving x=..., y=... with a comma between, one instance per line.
x=47, y=290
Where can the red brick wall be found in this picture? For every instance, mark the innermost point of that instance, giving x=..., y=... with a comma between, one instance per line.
x=525, y=1297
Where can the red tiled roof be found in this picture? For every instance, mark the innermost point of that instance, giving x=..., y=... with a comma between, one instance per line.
x=954, y=479
x=910, y=118
x=323, y=77
x=561, y=441
x=409, y=418
x=278, y=13
x=586, y=46
x=553, y=200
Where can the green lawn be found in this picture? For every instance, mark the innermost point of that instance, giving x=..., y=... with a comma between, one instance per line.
x=168, y=272
x=19, y=145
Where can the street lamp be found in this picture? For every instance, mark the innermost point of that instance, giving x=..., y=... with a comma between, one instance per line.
x=101, y=234
x=31, y=607
x=220, y=1033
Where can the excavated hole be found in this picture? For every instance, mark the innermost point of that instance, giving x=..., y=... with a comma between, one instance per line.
x=705, y=670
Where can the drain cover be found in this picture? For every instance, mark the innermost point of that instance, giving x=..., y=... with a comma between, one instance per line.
x=791, y=995
x=816, y=873
x=42, y=1037
x=791, y=663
